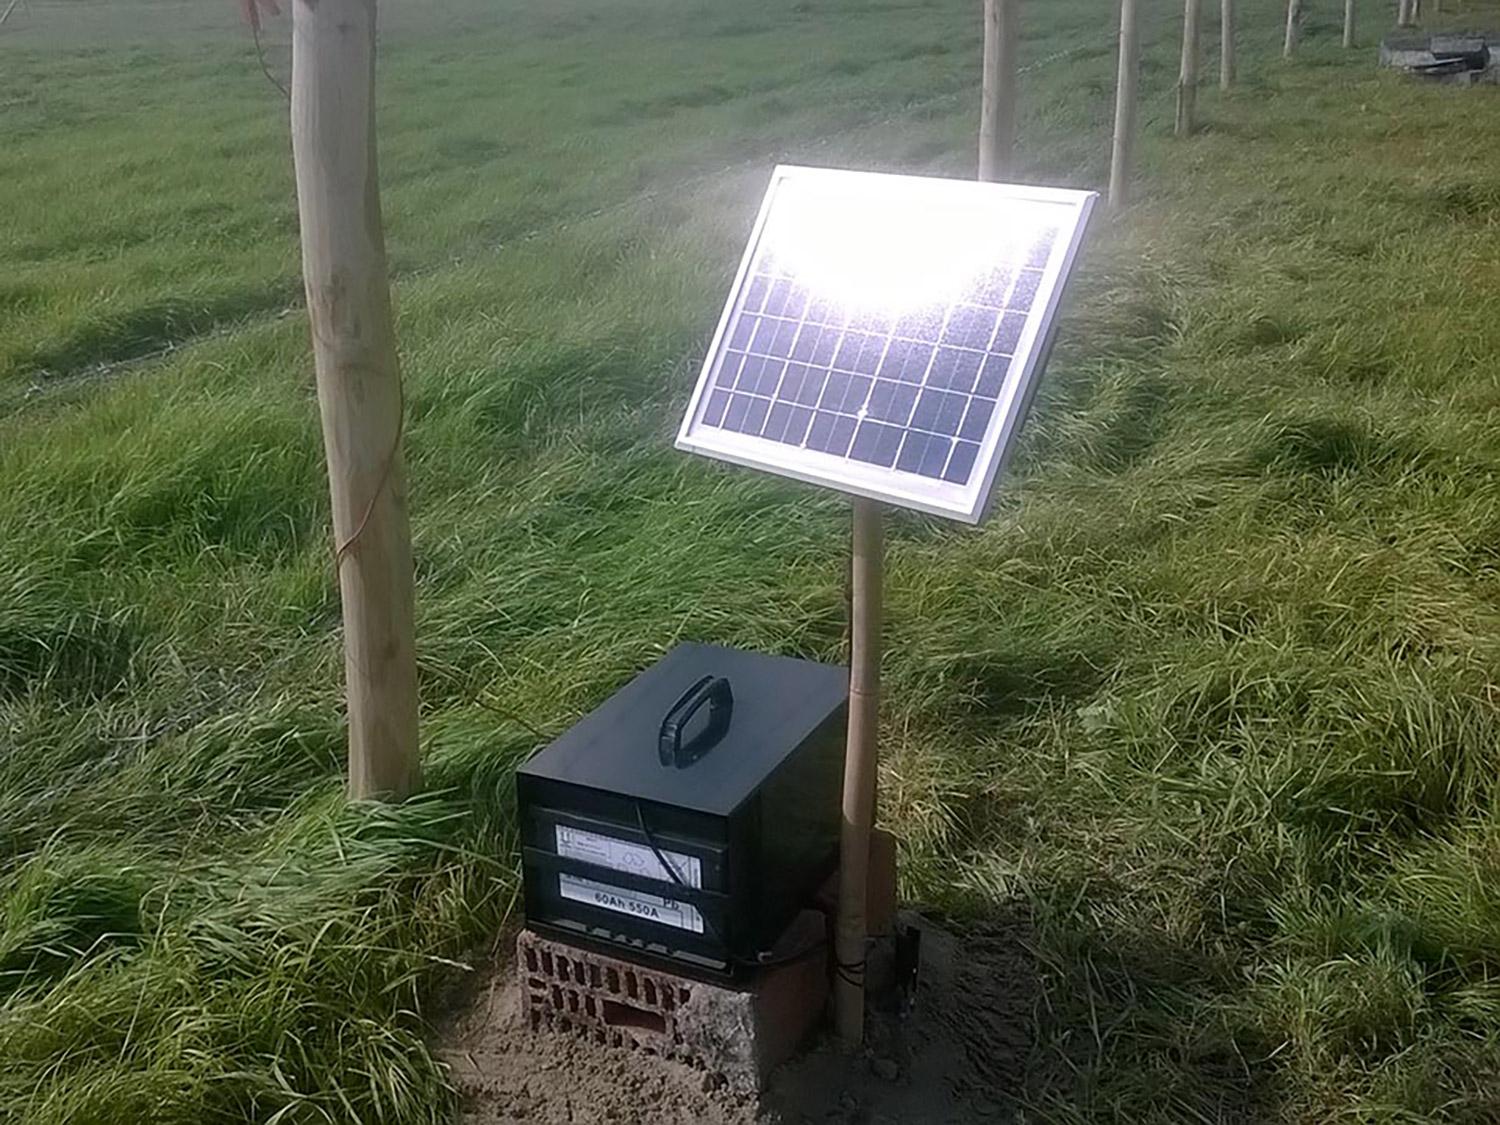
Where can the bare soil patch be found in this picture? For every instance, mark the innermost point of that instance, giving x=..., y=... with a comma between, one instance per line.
x=958, y=1057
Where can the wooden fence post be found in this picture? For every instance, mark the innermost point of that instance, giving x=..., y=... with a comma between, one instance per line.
x=1293, y=20
x=1348, y=24
x=861, y=764
x=1226, y=44
x=1125, y=103
x=997, y=107
x=1187, y=80
x=359, y=383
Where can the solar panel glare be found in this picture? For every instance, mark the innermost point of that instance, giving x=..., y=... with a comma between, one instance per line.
x=890, y=345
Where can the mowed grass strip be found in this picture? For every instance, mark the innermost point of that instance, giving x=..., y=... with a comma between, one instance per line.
x=1209, y=703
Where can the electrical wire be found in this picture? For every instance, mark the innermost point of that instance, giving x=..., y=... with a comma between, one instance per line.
x=765, y=958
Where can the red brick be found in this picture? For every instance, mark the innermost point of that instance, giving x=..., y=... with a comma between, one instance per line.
x=738, y=1032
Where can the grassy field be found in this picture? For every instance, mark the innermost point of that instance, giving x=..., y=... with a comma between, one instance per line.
x=1210, y=703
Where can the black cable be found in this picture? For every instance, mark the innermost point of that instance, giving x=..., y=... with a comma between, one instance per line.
x=762, y=960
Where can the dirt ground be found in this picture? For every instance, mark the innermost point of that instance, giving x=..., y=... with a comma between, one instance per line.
x=956, y=1058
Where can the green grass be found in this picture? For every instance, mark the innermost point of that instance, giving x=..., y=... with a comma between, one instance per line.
x=1210, y=702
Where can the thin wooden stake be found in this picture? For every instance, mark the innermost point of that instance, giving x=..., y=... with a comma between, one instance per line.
x=1125, y=103
x=1226, y=44
x=359, y=383
x=997, y=106
x=1348, y=24
x=860, y=763
x=1187, y=79
x=1293, y=21
x=11, y=8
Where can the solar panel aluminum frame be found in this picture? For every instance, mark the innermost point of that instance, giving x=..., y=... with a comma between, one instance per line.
x=967, y=502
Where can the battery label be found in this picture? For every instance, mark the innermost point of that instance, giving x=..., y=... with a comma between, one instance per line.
x=638, y=859
x=622, y=855
x=668, y=912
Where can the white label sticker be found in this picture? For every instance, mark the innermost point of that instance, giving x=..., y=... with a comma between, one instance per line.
x=667, y=911
x=622, y=855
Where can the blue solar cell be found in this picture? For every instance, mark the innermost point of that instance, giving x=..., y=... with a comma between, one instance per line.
x=935, y=457
x=876, y=444
x=1009, y=334
x=734, y=415
x=891, y=401
x=924, y=454
x=791, y=382
x=748, y=377
x=870, y=320
x=992, y=288
x=924, y=323
x=776, y=299
x=906, y=361
x=843, y=434
x=830, y=433
x=992, y=376
x=824, y=310
x=713, y=413
x=912, y=449
x=796, y=302
x=776, y=421
x=835, y=390
x=850, y=347
x=807, y=341
x=939, y=412
x=812, y=387
x=755, y=416
x=1024, y=291
x=755, y=295
x=970, y=327
x=744, y=329
x=729, y=369
x=954, y=369
x=870, y=353
x=1041, y=249
x=770, y=377
x=858, y=392
x=765, y=332
x=976, y=419
x=796, y=426
x=961, y=462
x=786, y=336
x=826, y=348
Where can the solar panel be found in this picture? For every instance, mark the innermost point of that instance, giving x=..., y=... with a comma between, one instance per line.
x=884, y=333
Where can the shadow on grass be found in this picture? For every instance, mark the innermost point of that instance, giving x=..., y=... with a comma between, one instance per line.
x=1073, y=1019
x=150, y=329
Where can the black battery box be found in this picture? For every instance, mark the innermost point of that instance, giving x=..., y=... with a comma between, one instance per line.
x=690, y=816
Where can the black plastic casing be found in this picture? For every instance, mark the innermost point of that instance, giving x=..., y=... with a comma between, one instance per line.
x=759, y=807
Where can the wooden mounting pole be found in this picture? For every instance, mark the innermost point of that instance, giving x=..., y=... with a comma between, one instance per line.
x=1187, y=79
x=359, y=383
x=1226, y=44
x=1293, y=27
x=997, y=106
x=1348, y=24
x=860, y=760
x=1125, y=103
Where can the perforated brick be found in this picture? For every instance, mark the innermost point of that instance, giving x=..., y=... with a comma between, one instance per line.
x=739, y=1033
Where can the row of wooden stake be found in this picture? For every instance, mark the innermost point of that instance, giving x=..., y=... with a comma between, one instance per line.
x=333, y=141
x=997, y=118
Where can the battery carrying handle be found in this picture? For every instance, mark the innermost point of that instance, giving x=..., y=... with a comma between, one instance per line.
x=711, y=690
